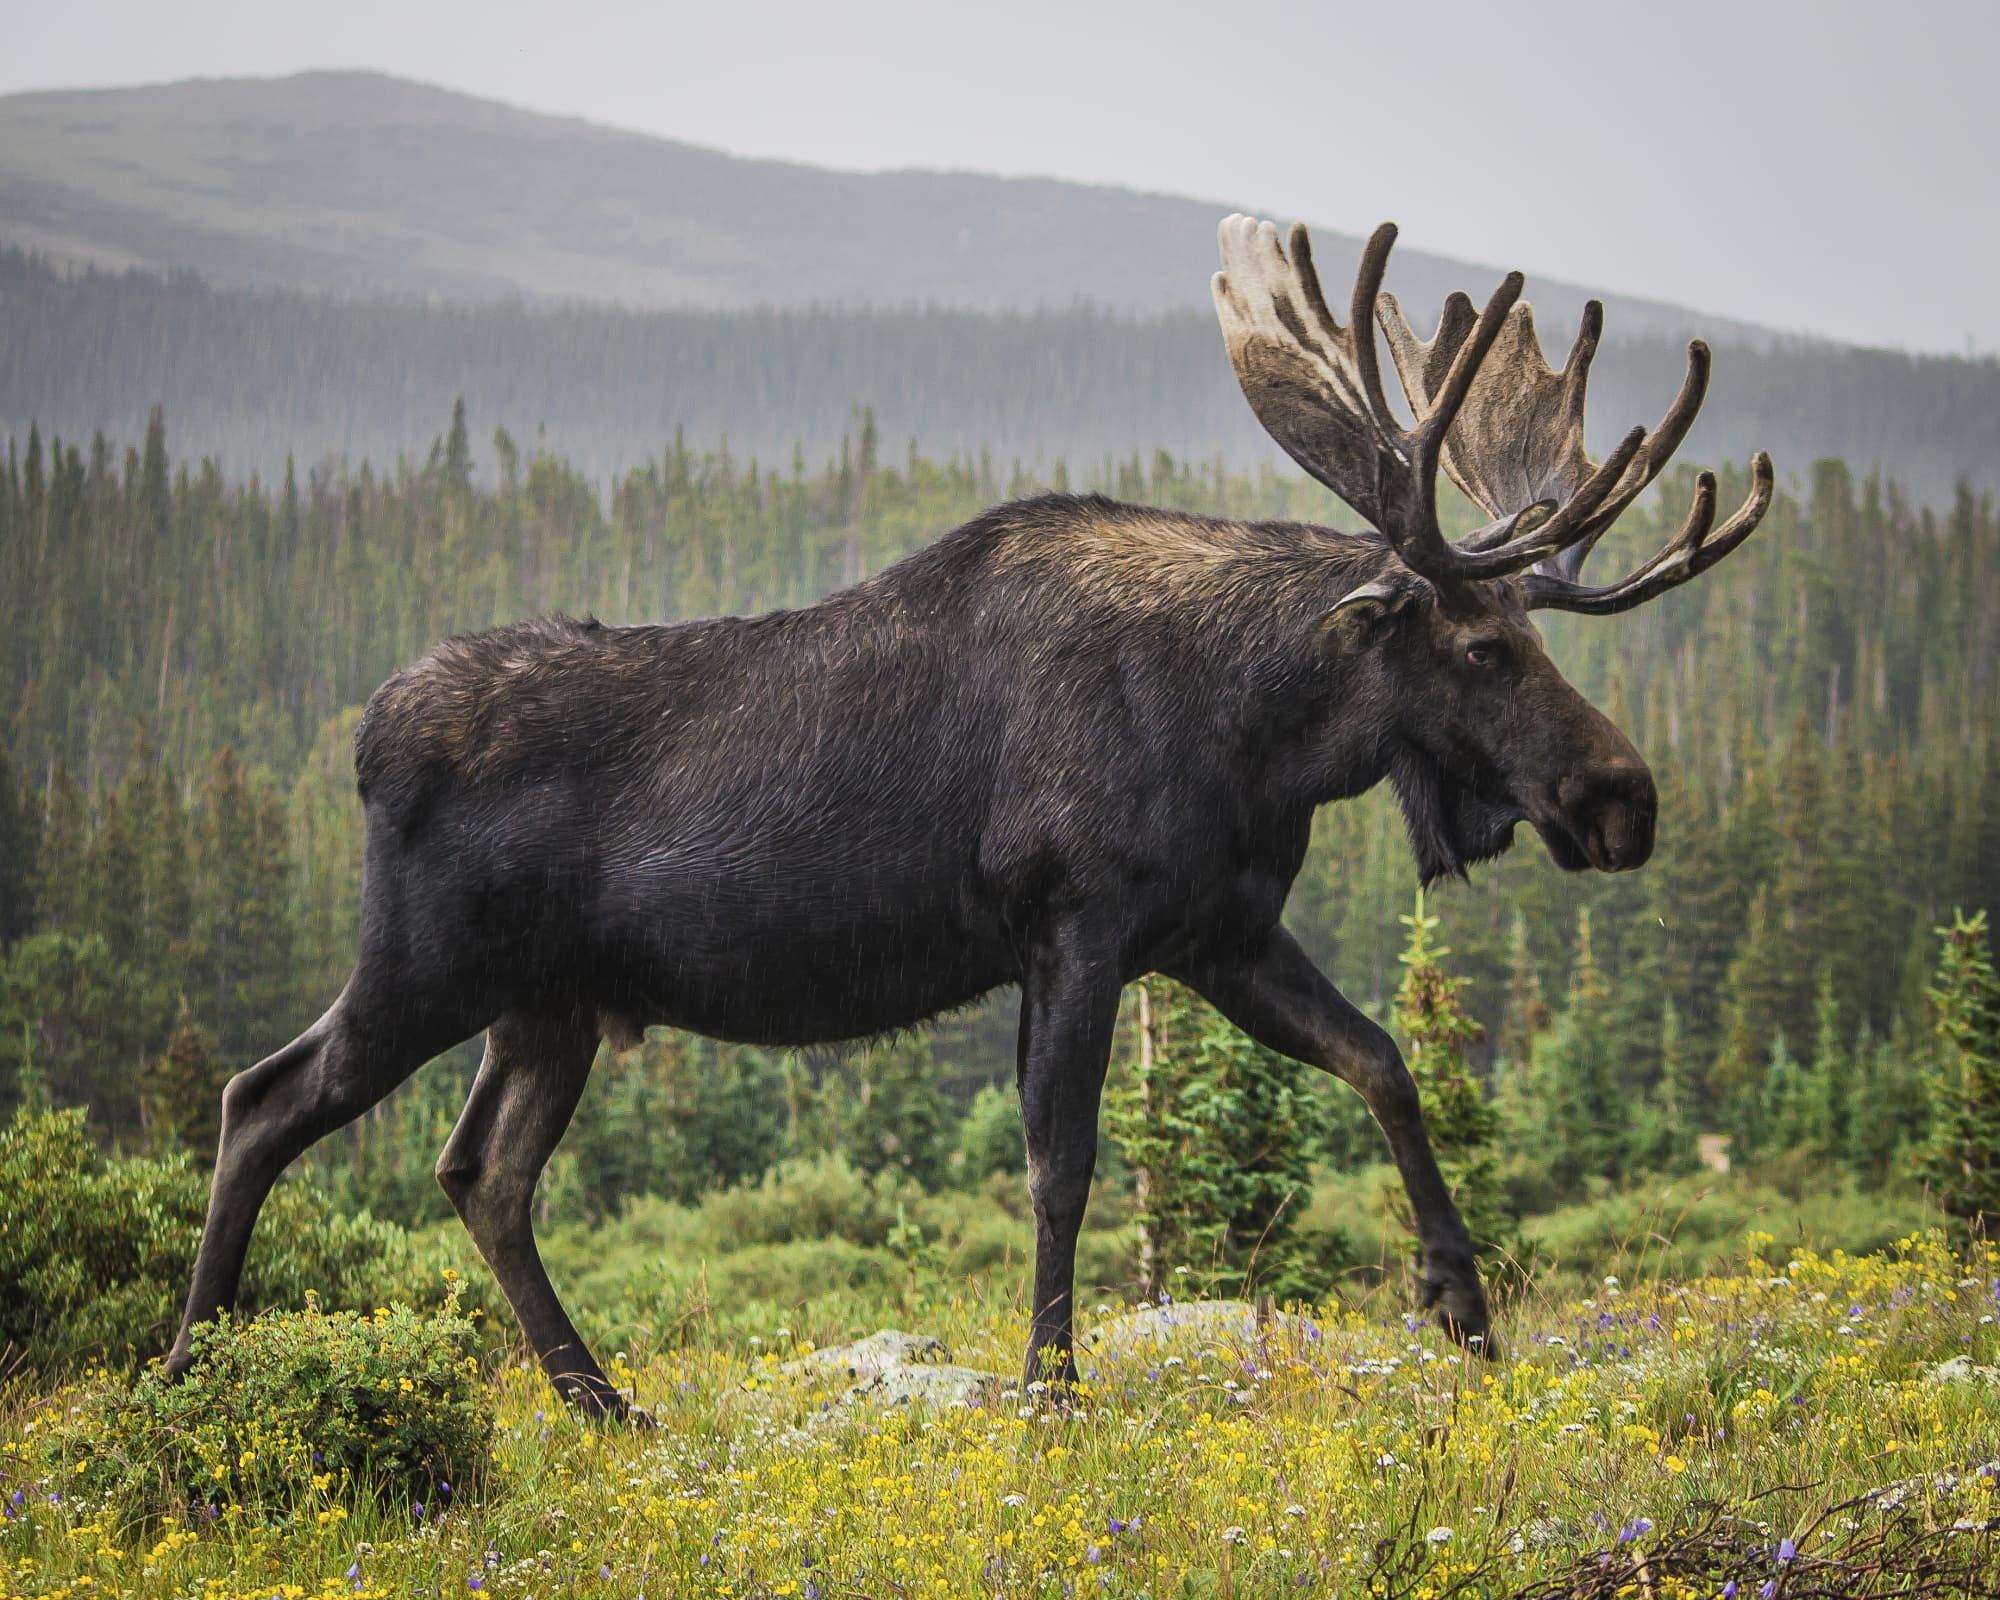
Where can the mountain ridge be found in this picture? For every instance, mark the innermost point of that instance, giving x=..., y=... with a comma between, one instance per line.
x=362, y=183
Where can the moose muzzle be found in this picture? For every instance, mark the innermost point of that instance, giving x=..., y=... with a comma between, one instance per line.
x=1608, y=812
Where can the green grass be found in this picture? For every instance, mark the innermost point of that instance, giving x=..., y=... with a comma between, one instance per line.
x=1681, y=1429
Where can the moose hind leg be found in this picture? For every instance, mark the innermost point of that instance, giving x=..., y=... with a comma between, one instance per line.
x=527, y=1089
x=274, y=1112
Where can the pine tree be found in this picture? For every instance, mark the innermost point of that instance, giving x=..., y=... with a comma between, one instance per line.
x=182, y=1091
x=19, y=841
x=1752, y=997
x=1582, y=1119
x=240, y=979
x=1463, y=1125
x=899, y=1121
x=1825, y=1106
x=1960, y=1161
x=1778, y=1128
x=458, y=451
x=1209, y=1125
x=1526, y=1013
x=61, y=881
x=1666, y=1141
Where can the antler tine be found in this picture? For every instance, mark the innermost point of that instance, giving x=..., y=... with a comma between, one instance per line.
x=1506, y=424
x=1361, y=310
x=1660, y=447
x=1691, y=552
x=1317, y=387
x=1488, y=409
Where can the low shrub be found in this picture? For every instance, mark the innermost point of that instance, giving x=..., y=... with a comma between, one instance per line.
x=288, y=1410
x=96, y=1253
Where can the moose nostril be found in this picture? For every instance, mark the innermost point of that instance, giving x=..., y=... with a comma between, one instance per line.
x=1611, y=811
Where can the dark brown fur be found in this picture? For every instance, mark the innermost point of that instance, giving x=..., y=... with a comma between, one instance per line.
x=1068, y=744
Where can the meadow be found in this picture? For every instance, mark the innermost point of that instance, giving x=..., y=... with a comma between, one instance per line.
x=1783, y=1420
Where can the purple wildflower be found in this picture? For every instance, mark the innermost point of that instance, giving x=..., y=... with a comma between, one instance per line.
x=1786, y=1550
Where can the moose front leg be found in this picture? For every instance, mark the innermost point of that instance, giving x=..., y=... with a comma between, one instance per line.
x=1069, y=1009
x=1277, y=996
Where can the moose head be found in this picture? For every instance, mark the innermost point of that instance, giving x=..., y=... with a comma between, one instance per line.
x=1483, y=731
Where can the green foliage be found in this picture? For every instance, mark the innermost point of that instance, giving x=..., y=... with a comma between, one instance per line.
x=1961, y=1159
x=73, y=1015
x=1464, y=1127
x=20, y=840
x=1211, y=1125
x=182, y=1090
x=1572, y=1121
x=990, y=1136
x=1828, y=765
x=899, y=1120
x=97, y=1253
x=291, y=1410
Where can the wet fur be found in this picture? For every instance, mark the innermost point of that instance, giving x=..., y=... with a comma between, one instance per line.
x=829, y=822
x=1069, y=743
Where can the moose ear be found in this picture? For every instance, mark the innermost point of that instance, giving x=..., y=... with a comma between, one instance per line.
x=1354, y=621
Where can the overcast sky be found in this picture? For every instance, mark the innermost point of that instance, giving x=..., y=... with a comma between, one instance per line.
x=1832, y=167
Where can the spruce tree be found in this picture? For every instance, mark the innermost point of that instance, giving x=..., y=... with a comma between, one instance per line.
x=1582, y=1116
x=1759, y=976
x=1209, y=1123
x=62, y=900
x=900, y=1121
x=19, y=838
x=1960, y=1161
x=182, y=1091
x=1826, y=1089
x=1463, y=1125
x=1779, y=1125
x=1666, y=1140
x=1526, y=1013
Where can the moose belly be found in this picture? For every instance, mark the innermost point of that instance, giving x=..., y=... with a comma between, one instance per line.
x=771, y=951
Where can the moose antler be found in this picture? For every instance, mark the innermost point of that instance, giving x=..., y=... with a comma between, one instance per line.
x=1518, y=438
x=1506, y=428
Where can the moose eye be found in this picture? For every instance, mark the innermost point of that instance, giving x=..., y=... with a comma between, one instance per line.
x=1485, y=654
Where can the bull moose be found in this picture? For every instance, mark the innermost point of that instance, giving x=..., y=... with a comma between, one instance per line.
x=1067, y=744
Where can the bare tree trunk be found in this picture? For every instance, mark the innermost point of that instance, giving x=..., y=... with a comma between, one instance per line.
x=1150, y=1270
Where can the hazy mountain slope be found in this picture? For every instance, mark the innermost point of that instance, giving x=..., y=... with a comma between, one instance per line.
x=359, y=183
x=247, y=375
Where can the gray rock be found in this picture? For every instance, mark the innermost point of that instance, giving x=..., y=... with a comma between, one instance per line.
x=928, y=1386
x=868, y=1358
x=1183, y=1324
x=890, y=1368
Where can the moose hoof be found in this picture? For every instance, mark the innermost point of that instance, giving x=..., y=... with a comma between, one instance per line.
x=1459, y=1300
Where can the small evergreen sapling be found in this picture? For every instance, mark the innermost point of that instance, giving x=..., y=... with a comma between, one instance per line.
x=1463, y=1123
x=1960, y=1161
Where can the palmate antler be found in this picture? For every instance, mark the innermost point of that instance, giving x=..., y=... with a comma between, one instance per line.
x=1488, y=409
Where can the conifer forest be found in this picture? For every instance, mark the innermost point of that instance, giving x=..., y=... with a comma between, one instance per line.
x=183, y=656
x=1640, y=1239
